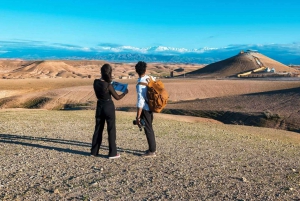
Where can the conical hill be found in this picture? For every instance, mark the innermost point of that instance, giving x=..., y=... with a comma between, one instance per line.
x=241, y=63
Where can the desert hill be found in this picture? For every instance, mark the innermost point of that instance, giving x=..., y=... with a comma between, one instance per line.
x=241, y=63
x=19, y=69
x=9, y=65
x=45, y=69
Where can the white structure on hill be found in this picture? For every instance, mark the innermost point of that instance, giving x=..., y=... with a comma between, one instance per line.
x=268, y=70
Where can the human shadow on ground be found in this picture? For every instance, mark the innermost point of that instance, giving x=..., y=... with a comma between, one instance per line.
x=28, y=141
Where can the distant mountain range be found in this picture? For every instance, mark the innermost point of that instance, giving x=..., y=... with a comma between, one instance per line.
x=34, y=50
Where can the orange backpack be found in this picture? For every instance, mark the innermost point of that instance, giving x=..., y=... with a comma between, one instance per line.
x=156, y=94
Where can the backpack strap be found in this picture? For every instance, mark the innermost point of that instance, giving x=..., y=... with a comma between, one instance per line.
x=150, y=79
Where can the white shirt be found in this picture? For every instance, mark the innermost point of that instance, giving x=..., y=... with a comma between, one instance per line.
x=141, y=91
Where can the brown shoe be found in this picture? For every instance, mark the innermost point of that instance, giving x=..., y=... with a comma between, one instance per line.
x=149, y=154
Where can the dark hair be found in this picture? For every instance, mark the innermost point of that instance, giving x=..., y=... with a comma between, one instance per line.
x=106, y=72
x=140, y=67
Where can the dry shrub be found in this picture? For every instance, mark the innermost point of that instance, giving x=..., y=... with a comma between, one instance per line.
x=3, y=101
x=35, y=103
x=74, y=106
x=271, y=116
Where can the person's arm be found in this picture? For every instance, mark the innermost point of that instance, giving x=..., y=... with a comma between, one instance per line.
x=140, y=102
x=138, y=116
x=138, y=113
x=114, y=93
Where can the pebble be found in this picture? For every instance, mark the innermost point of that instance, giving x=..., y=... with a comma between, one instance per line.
x=94, y=184
x=244, y=180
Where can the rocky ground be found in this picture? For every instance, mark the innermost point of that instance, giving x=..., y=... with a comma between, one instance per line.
x=44, y=155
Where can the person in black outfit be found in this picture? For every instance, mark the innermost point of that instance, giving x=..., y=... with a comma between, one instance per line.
x=105, y=112
x=143, y=110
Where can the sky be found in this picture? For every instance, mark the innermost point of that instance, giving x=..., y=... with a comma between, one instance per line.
x=140, y=23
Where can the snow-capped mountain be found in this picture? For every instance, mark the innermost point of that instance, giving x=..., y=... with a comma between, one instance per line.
x=284, y=53
x=151, y=50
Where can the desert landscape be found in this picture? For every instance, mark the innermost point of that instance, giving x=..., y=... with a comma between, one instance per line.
x=237, y=137
x=265, y=99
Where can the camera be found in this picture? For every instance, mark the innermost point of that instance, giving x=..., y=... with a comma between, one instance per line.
x=142, y=123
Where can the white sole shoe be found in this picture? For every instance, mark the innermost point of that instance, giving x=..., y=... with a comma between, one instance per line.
x=114, y=157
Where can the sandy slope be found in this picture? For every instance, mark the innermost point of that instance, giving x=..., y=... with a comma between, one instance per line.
x=271, y=63
x=9, y=65
x=20, y=87
x=281, y=107
x=46, y=69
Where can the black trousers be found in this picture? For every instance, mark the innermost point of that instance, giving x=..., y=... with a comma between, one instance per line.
x=148, y=118
x=105, y=112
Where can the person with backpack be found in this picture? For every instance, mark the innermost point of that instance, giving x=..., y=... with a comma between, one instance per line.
x=105, y=112
x=143, y=110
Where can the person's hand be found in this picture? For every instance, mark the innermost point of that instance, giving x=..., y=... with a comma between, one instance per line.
x=138, y=121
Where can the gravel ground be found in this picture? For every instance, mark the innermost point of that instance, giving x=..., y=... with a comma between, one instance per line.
x=44, y=155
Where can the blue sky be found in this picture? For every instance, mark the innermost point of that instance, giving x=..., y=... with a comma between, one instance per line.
x=182, y=24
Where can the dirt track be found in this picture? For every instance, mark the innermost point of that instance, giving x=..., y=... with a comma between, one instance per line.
x=45, y=156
